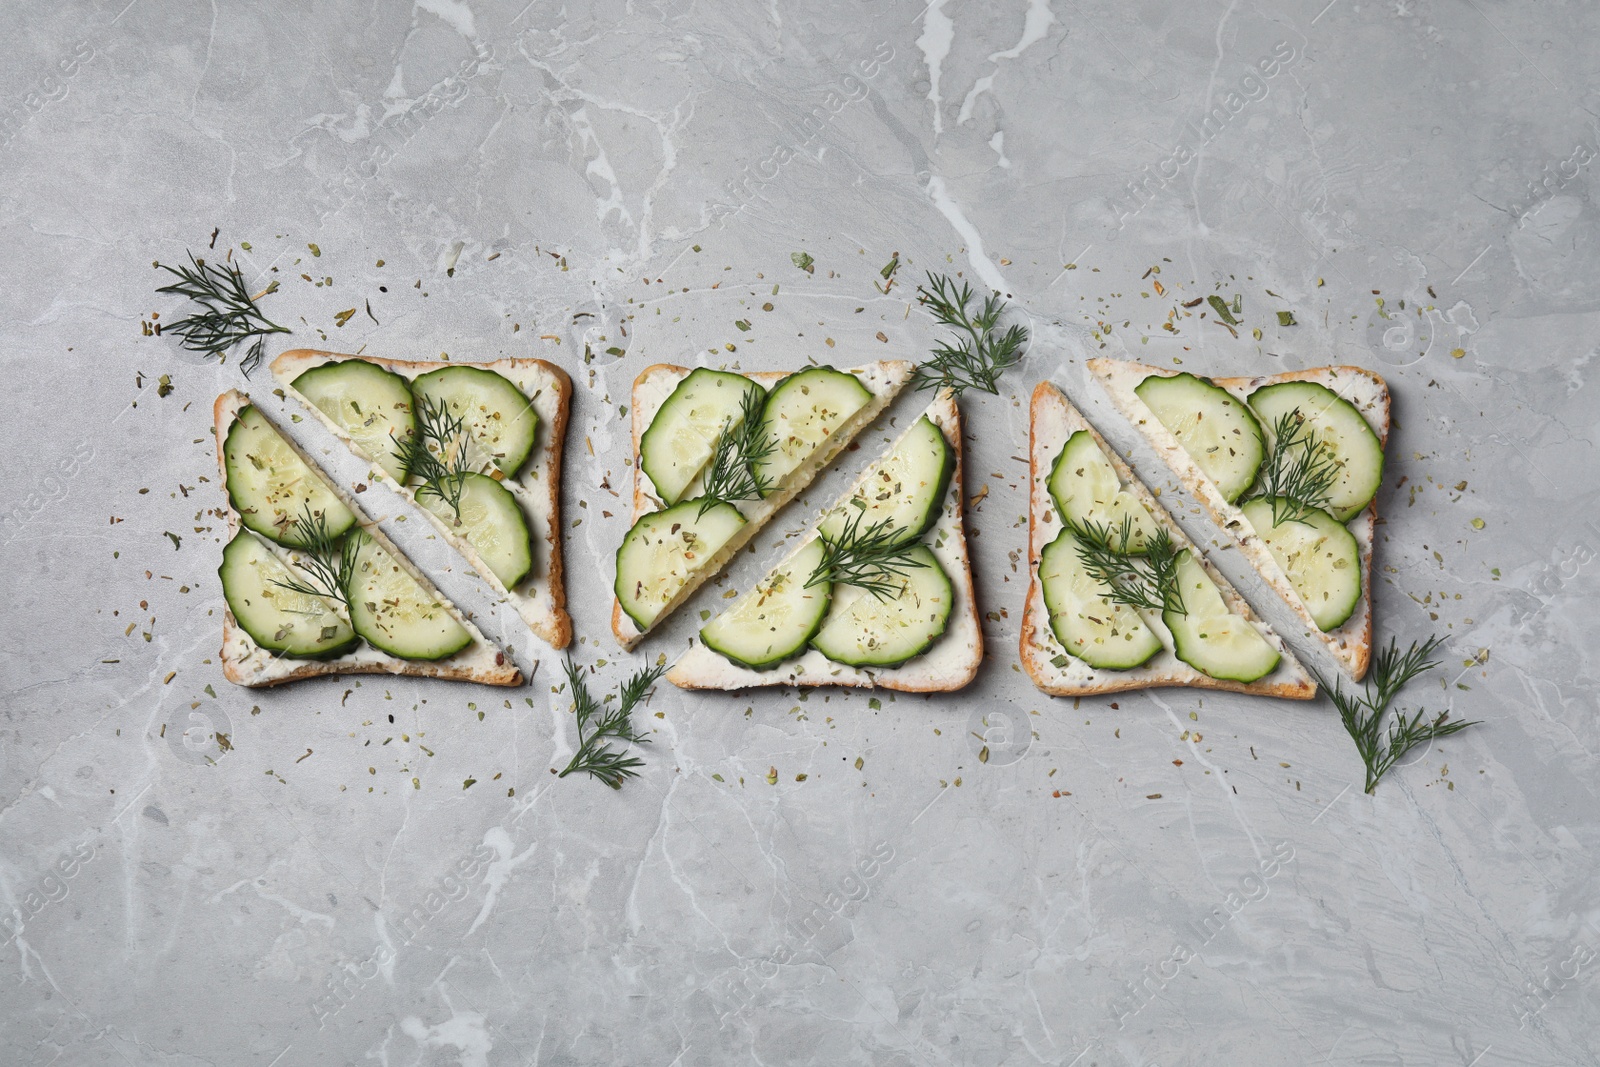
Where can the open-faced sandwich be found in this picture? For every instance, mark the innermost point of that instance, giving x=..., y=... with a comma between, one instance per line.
x=1118, y=596
x=1290, y=465
x=313, y=588
x=880, y=593
x=477, y=446
x=716, y=454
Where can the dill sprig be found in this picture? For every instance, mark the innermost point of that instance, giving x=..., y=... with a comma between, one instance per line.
x=1363, y=715
x=874, y=558
x=1149, y=581
x=230, y=316
x=605, y=724
x=745, y=444
x=329, y=561
x=444, y=467
x=1300, y=472
x=980, y=352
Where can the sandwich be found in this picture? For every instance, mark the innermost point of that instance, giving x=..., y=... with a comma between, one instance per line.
x=1290, y=466
x=1119, y=598
x=878, y=595
x=313, y=587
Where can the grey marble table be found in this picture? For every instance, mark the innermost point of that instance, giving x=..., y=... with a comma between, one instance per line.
x=193, y=873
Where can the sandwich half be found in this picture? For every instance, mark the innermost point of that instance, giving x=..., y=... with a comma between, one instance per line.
x=476, y=445
x=1118, y=597
x=1288, y=464
x=716, y=455
x=879, y=594
x=313, y=588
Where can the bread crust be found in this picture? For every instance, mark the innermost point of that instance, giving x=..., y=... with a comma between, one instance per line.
x=504, y=673
x=628, y=635
x=946, y=414
x=550, y=621
x=1351, y=643
x=1036, y=635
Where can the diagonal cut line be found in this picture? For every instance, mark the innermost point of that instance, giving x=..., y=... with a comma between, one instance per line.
x=1332, y=802
x=1474, y=263
x=1536, y=70
x=131, y=803
x=942, y=791
x=1074, y=260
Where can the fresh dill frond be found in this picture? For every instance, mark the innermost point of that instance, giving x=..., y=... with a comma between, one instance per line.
x=875, y=558
x=1363, y=714
x=330, y=561
x=600, y=723
x=1300, y=472
x=230, y=316
x=746, y=442
x=438, y=452
x=1161, y=555
x=1104, y=554
x=979, y=353
x=1149, y=581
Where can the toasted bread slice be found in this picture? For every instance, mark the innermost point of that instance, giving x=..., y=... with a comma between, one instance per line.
x=1350, y=643
x=248, y=664
x=655, y=384
x=949, y=665
x=541, y=597
x=1053, y=420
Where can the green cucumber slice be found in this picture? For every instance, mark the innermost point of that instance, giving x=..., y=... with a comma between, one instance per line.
x=280, y=620
x=907, y=487
x=394, y=612
x=491, y=521
x=663, y=550
x=499, y=417
x=774, y=621
x=1085, y=488
x=802, y=412
x=1210, y=638
x=1088, y=624
x=1318, y=554
x=683, y=434
x=1213, y=426
x=863, y=631
x=1340, y=429
x=370, y=404
x=271, y=487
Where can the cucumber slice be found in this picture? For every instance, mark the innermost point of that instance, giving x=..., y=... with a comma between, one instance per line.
x=774, y=621
x=684, y=432
x=802, y=412
x=1090, y=626
x=1210, y=638
x=271, y=487
x=1085, y=488
x=864, y=631
x=279, y=620
x=500, y=419
x=370, y=404
x=663, y=549
x=906, y=487
x=393, y=611
x=1318, y=554
x=492, y=522
x=1212, y=425
x=1340, y=429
